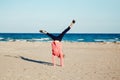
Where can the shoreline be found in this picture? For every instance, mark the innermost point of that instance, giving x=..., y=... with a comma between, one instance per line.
x=115, y=42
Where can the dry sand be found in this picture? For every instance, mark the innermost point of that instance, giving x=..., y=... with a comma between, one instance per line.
x=83, y=61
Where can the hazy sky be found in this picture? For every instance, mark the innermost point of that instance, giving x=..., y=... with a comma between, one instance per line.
x=28, y=16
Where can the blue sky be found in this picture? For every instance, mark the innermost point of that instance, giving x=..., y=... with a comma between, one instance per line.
x=28, y=16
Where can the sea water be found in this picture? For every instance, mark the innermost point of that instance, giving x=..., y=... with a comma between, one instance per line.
x=69, y=37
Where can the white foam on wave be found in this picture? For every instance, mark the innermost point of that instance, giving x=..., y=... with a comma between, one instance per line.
x=106, y=40
x=12, y=40
x=21, y=40
x=80, y=39
x=41, y=39
x=1, y=38
x=35, y=39
x=99, y=40
x=31, y=40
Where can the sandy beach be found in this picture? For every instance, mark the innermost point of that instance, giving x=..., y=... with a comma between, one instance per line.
x=83, y=61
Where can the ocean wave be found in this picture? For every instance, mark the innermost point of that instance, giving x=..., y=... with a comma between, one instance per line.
x=1, y=38
x=67, y=38
x=27, y=40
x=41, y=39
x=106, y=40
x=12, y=40
x=80, y=39
x=36, y=39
